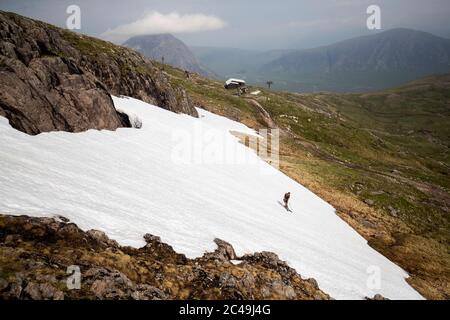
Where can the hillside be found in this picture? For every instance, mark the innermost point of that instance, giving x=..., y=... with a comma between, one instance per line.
x=390, y=185
x=174, y=51
x=379, y=161
x=368, y=63
x=189, y=198
x=53, y=79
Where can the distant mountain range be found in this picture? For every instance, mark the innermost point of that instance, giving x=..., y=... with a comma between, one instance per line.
x=233, y=62
x=174, y=51
x=367, y=63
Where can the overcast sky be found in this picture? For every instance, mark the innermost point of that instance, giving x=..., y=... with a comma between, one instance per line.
x=249, y=24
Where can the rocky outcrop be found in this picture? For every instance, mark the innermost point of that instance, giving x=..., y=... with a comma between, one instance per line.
x=224, y=251
x=53, y=79
x=113, y=285
x=377, y=297
x=35, y=254
x=42, y=291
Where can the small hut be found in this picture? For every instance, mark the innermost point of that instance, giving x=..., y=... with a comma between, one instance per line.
x=235, y=84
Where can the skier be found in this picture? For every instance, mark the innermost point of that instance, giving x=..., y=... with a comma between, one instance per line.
x=287, y=196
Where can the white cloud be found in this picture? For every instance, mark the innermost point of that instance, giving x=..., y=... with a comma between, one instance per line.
x=156, y=22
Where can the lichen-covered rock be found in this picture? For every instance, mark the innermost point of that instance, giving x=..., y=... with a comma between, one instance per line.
x=36, y=252
x=101, y=238
x=159, y=250
x=224, y=252
x=109, y=285
x=43, y=291
x=3, y=284
x=270, y=260
x=55, y=80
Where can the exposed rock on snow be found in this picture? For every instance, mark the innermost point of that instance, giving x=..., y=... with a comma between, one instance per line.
x=224, y=251
x=131, y=120
x=114, y=285
x=377, y=297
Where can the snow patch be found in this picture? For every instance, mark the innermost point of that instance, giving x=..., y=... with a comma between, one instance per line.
x=126, y=184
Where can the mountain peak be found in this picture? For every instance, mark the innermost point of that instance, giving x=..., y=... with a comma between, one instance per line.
x=174, y=51
x=399, y=32
x=384, y=59
x=160, y=36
